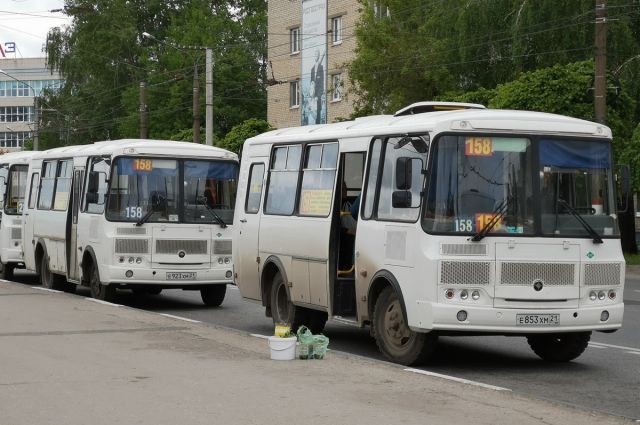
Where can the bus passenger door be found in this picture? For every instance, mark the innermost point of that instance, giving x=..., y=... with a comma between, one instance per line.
x=248, y=214
x=73, y=270
x=28, y=218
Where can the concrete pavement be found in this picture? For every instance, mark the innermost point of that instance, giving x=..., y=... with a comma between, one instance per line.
x=69, y=360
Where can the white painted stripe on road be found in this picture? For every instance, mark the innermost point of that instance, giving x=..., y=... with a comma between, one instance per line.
x=345, y=321
x=260, y=336
x=597, y=346
x=633, y=352
x=635, y=290
x=619, y=347
x=453, y=378
x=179, y=318
x=234, y=287
x=103, y=302
x=46, y=289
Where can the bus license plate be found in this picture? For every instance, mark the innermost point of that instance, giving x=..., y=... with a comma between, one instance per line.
x=181, y=275
x=537, y=319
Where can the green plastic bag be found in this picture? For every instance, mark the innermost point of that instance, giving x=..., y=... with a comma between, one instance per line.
x=320, y=344
x=305, y=343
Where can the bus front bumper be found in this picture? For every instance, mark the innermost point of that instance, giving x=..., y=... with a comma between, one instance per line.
x=123, y=275
x=438, y=317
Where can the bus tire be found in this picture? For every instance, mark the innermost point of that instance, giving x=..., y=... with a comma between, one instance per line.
x=561, y=347
x=212, y=296
x=395, y=340
x=282, y=309
x=7, y=271
x=98, y=290
x=316, y=320
x=48, y=279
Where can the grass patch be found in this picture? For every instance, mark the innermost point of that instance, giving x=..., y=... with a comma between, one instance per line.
x=632, y=259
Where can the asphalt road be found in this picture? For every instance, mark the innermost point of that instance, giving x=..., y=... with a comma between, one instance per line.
x=606, y=378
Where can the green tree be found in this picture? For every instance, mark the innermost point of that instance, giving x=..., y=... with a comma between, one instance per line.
x=235, y=138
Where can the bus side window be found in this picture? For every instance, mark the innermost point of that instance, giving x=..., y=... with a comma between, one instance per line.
x=63, y=186
x=47, y=185
x=372, y=178
x=283, y=180
x=254, y=189
x=318, y=178
x=33, y=192
x=101, y=166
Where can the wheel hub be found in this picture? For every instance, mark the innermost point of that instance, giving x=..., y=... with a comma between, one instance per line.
x=395, y=326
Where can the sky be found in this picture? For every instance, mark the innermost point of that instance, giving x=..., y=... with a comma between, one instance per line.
x=19, y=25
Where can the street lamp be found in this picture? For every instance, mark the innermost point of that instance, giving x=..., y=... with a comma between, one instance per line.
x=196, y=87
x=36, y=119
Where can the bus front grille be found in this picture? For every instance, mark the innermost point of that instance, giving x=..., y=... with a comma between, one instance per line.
x=132, y=231
x=172, y=246
x=465, y=272
x=222, y=247
x=602, y=274
x=553, y=274
x=132, y=246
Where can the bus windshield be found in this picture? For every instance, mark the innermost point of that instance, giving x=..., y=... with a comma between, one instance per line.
x=170, y=190
x=479, y=179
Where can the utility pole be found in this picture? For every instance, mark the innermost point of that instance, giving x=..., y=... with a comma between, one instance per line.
x=209, y=96
x=144, y=113
x=600, y=79
x=36, y=122
x=196, y=105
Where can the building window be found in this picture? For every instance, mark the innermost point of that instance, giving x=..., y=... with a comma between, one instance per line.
x=14, y=88
x=16, y=114
x=380, y=11
x=336, y=83
x=294, y=94
x=14, y=139
x=336, y=30
x=294, y=40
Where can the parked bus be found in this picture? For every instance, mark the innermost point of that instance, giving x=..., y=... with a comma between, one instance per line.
x=445, y=219
x=138, y=214
x=13, y=178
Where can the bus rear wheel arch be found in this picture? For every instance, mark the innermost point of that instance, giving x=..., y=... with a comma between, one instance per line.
x=395, y=340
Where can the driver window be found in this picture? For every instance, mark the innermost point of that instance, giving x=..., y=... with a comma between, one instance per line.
x=102, y=166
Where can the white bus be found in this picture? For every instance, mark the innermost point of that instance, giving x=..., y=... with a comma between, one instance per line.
x=433, y=222
x=138, y=214
x=13, y=178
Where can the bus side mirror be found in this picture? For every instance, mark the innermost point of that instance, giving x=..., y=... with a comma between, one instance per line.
x=404, y=171
x=401, y=199
x=623, y=186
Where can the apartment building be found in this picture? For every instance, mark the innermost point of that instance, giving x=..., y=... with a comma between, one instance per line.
x=20, y=80
x=310, y=44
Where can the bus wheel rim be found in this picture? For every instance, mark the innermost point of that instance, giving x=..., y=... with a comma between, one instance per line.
x=397, y=332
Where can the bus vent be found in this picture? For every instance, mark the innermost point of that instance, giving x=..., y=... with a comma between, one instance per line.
x=553, y=274
x=463, y=249
x=189, y=246
x=602, y=274
x=132, y=231
x=16, y=233
x=132, y=246
x=465, y=273
x=222, y=247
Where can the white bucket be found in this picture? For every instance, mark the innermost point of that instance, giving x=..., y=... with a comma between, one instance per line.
x=282, y=348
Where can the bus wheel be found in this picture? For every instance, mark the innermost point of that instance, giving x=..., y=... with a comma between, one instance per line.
x=394, y=338
x=562, y=347
x=98, y=290
x=282, y=309
x=48, y=279
x=213, y=295
x=316, y=321
x=7, y=271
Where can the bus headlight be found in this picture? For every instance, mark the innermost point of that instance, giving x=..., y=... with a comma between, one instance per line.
x=227, y=260
x=593, y=295
x=475, y=295
x=220, y=260
x=138, y=260
x=464, y=294
x=602, y=295
x=131, y=260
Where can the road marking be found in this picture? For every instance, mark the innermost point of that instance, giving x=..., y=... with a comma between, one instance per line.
x=620, y=347
x=345, y=321
x=453, y=378
x=179, y=318
x=596, y=346
x=260, y=336
x=103, y=302
x=634, y=352
x=233, y=287
x=46, y=289
x=635, y=290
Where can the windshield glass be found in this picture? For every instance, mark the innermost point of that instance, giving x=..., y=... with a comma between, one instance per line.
x=472, y=178
x=141, y=186
x=576, y=172
x=210, y=191
x=4, y=172
x=17, y=188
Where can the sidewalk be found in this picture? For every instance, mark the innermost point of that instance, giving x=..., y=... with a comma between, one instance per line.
x=68, y=360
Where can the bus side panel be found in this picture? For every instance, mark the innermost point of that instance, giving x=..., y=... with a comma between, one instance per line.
x=28, y=219
x=50, y=227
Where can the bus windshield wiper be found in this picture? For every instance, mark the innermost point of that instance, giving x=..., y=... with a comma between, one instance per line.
x=145, y=217
x=596, y=237
x=202, y=201
x=498, y=214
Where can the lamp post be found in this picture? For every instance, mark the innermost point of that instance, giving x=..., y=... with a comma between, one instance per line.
x=36, y=119
x=196, y=88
